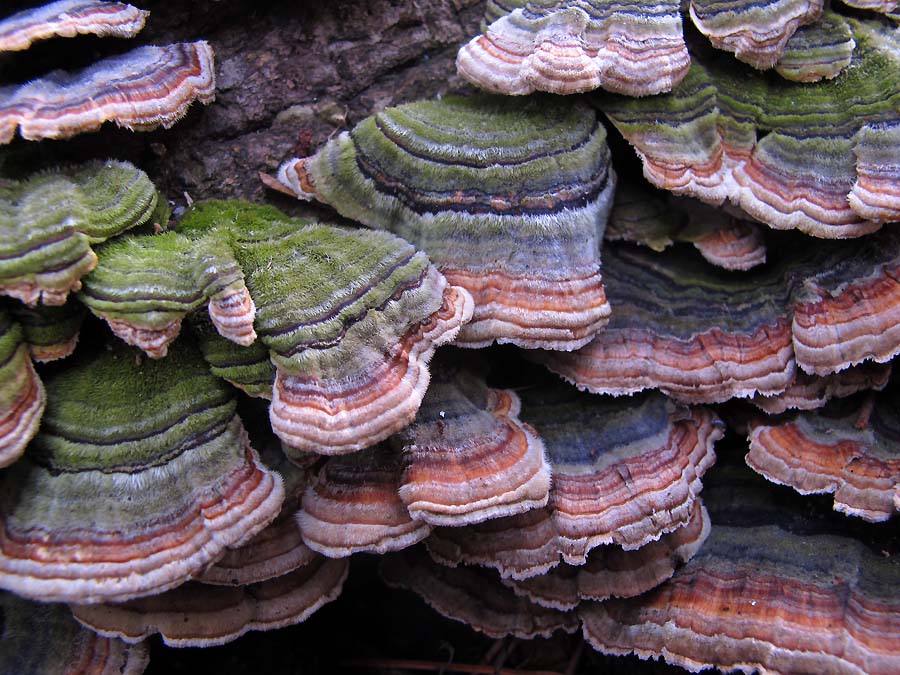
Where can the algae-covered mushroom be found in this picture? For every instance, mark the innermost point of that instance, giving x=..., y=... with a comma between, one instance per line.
x=624, y=472
x=26, y=334
x=140, y=476
x=67, y=18
x=567, y=46
x=817, y=157
x=141, y=90
x=49, y=222
x=508, y=198
x=349, y=319
x=703, y=336
x=848, y=448
x=44, y=639
x=646, y=217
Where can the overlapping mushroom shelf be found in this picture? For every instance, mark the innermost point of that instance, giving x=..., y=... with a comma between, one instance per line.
x=848, y=448
x=702, y=335
x=817, y=157
x=509, y=200
x=767, y=591
x=349, y=319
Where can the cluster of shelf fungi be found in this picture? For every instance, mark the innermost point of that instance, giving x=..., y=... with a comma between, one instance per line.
x=136, y=501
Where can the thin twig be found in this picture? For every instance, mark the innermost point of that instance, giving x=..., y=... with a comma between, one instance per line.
x=494, y=650
x=434, y=666
x=576, y=658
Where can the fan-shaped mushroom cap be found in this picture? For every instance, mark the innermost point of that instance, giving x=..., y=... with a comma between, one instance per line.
x=841, y=449
x=22, y=396
x=473, y=596
x=761, y=598
x=818, y=51
x=704, y=336
x=48, y=223
x=508, y=198
x=570, y=46
x=45, y=640
x=811, y=391
x=67, y=18
x=611, y=571
x=756, y=33
x=467, y=457
x=50, y=331
x=349, y=318
x=145, y=285
x=353, y=504
x=624, y=472
x=819, y=157
x=884, y=6
x=278, y=548
x=140, y=90
x=133, y=485
x=249, y=368
x=645, y=217
x=197, y=615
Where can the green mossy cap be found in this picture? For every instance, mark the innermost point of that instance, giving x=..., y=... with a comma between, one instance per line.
x=49, y=222
x=140, y=476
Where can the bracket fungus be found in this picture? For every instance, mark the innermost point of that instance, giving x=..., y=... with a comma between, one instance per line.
x=817, y=157
x=702, y=336
x=467, y=457
x=131, y=488
x=774, y=598
x=508, y=198
x=44, y=639
x=642, y=216
x=848, y=448
x=199, y=615
x=141, y=90
x=474, y=596
x=349, y=319
x=569, y=46
x=624, y=472
x=67, y=18
x=49, y=222
x=611, y=571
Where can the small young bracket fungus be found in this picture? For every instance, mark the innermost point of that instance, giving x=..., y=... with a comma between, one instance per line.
x=68, y=18
x=817, y=157
x=133, y=487
x=761, y=598
x=809, y=392
x=613, y=572
x=757, y=33
x=141, y=90
x=467, y=457
x=45, y=640
x=848, y=449
x=473, y=596
x=353, y=505
x=197, y=615
x=705, y=336
x=634, y=48
x=819, y=51
x=645, y=217
x=49, y=221
x=624, y=472
x=22, y=396
x=508, y=198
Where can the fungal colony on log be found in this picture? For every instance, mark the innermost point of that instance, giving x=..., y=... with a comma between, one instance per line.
x=243, y=403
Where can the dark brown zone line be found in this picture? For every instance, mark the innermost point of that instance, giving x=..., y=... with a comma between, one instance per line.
x=68, y=232
x=477, y=201
x=399, y=142
x=215, y=429
x=330, y=342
